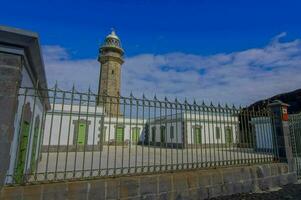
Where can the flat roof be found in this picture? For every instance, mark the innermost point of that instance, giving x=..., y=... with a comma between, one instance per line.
x=29, y=42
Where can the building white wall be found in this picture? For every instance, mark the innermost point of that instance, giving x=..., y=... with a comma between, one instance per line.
x=206, y=122
x=60, y=126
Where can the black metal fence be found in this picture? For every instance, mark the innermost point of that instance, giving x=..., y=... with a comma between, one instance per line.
x=295, y=133
x=73, y=135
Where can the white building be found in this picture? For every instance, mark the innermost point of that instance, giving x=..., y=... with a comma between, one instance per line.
x=82, y=127
x=191, y=129
x=86, y=128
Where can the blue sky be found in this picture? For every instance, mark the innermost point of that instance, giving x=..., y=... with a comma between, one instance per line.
x=179, y=42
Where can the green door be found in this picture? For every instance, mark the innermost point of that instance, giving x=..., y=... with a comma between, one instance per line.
x=119, y=134
x=135, y=134
x=81, y=138
x=162, y=130
x=22, y=151
x=229, y=136
x=197, y=135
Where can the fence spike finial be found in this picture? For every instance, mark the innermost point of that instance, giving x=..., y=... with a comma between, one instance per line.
x=185, y=101
x=155, y=97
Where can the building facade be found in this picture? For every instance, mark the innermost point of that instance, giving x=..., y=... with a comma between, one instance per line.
x=21, y=68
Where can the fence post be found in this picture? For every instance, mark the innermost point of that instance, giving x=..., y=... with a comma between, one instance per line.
x=282, y=133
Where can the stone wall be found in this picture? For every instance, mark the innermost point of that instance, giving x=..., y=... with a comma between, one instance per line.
x=10, y=78
x=195, y=184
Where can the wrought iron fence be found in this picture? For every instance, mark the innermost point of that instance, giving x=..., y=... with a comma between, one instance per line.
x=82, y=135
x=295, y=132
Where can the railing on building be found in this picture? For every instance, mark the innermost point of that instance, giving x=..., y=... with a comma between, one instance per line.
x=80, y=137
x=295, y=133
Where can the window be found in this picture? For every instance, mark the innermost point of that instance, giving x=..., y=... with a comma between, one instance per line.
x=171, y=132
x=81, y=128
x=153, y=133
x=81, y=137
x=162, y=134
x=217, y=133
x=228, y=135
x=119, y=134
x=112, y=71
x=198, y=135
x=135, y=134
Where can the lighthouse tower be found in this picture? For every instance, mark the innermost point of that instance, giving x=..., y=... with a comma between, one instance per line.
x=111, y=59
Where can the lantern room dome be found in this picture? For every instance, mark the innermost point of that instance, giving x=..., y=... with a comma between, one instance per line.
x=112, y=41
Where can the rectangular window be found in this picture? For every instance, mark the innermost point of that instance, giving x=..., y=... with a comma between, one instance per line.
x=217, y=133
x=171, y=132
x=135, y=134
x=162, y=131
x=228, y=135
x=198, y=135
x=81, y=137
x=154, y=134
x=119, y=134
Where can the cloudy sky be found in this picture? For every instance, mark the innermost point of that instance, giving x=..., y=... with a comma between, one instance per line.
x=221, y=51
x=240, y=77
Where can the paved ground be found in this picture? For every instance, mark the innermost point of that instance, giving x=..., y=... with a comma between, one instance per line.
x=137, y=158
x=291, y=191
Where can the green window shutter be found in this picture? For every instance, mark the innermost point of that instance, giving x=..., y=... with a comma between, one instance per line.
x=22, y=152
x=197, y=135
x=119, y=134
x=162, y=130
x=217, y=133
x=229, y=135
x=81, y=137
x=135, y=134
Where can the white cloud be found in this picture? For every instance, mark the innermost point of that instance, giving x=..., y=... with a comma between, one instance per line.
x=239, y=77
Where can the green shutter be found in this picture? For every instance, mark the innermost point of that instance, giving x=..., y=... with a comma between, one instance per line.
x=22, y=152
x=81, y=137
x=229, y=135
x=197, y=135
x=119, y=134
x=135, y=134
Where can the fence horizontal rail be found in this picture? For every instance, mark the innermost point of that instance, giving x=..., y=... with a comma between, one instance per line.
x=83, y=135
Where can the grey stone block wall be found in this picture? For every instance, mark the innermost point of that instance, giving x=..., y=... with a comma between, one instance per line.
x=10, y=78
x=196, y=184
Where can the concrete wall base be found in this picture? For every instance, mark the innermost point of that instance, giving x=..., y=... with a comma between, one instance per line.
x=194, y=184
